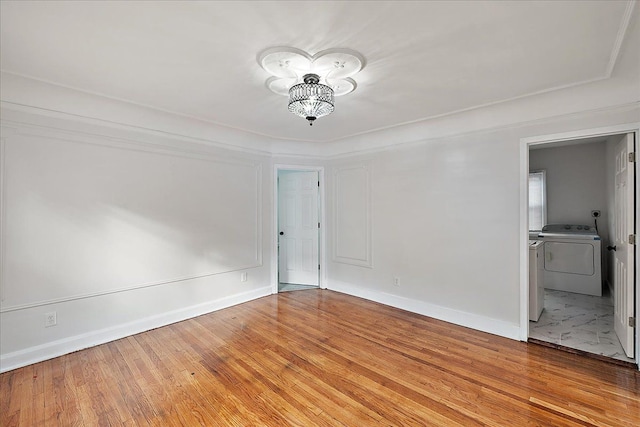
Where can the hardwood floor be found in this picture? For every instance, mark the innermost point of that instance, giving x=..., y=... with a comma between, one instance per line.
x=319, y=358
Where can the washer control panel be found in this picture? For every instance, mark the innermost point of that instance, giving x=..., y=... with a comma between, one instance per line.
x=568, y=228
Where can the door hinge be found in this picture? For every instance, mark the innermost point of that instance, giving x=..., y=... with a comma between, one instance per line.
x=632, y=239
x=632, y=322
x=318, y=266
x=318, y=225
x=318, y=183
x=632, y=157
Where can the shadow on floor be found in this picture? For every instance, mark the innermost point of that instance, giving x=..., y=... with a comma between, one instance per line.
x=287, y=287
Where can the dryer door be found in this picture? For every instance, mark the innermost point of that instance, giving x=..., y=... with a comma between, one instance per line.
x=566, y=257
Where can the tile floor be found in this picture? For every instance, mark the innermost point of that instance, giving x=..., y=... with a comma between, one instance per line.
x=583, y=322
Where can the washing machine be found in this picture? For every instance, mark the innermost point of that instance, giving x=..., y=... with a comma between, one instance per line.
x=572, y=258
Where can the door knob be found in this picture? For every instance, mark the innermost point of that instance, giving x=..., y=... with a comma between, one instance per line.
x=282, y=233
x=611, y=248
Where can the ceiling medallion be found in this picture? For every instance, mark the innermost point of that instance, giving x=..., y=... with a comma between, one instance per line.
x=311, y=81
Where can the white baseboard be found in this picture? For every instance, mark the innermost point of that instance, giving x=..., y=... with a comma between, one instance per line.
x=469, y=320
x=68, y=345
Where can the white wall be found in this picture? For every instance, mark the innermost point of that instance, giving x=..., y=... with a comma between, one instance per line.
x=441, y=216
x=576, y=183
x=118, y=232
x=445, y=221
x=446, y=201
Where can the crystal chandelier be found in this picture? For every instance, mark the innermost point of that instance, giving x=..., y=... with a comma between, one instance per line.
x=297, y=74
x=311, y=99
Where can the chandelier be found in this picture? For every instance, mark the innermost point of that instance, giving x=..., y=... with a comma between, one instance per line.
x=311, y=99
x=296, y=74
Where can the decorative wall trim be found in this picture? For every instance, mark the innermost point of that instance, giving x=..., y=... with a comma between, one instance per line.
x=67, y=345
x=324, y=152
x=2, y=240
x=461, y=318
x=580, y=134
x=93, y=138
x=12, y=129
x=259, y=219
x=115, y=291
x=133, y=128
x=364, y=259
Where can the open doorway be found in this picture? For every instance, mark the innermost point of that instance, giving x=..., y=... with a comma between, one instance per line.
x=298, y=220
x=585, y=258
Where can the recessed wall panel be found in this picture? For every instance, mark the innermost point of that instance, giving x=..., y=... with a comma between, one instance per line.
x=352, y=215
x=85, y=219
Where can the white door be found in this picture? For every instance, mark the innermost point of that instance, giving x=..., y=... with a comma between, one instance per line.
x=298, y=227
x=623, y=273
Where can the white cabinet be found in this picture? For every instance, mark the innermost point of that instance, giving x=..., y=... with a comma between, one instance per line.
x=536, y=280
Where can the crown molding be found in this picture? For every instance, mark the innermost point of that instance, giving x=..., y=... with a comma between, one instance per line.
x=21, y=93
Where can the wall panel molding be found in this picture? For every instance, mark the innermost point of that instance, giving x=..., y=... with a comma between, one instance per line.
x=404, y=136
x=15, y=133
x=352, y=213
x=2, y=240
x=155, y=132
x=169, y=147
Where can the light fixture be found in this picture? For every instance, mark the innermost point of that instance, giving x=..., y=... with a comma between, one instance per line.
x=311, y=99
x=296, y=74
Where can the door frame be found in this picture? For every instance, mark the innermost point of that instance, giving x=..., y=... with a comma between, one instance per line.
x=322, y=276
x=525, y=143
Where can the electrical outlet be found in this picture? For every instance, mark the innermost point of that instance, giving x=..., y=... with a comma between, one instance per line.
x=595, y=214
x=396, y=281
x=243, y=276
x=50, y=319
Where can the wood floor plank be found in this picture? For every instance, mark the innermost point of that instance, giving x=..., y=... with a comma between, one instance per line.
x=71, y=414
x=461, y=403
x=10, y=402
x=319, y=358
x=413, y=389
x=502, y=379
x=323, y=360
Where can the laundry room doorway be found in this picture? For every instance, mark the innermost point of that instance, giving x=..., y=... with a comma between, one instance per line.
x=589, y=198
x=299, y=238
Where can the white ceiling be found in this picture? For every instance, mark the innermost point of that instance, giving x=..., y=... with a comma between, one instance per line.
x=423, y=59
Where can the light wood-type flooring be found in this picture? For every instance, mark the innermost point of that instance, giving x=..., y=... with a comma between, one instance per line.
x=319, y=358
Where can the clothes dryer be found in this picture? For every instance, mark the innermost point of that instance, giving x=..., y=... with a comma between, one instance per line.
x=572, y=258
